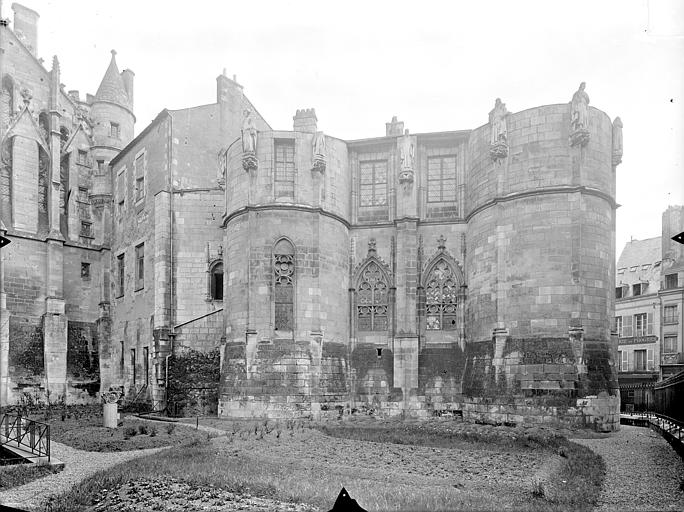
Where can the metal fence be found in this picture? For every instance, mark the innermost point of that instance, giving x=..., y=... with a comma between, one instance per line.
x=32, y=436
x=669, y=397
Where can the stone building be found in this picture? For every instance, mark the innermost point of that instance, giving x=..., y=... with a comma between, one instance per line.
x=649, y=292
x=464, y=272
x=55, y=203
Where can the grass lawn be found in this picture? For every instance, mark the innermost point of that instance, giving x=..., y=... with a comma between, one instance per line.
x=19, y=474
x=87, y=433
x=413, y=466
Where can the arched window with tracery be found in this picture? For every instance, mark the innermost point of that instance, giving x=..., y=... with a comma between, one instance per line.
x=283, y=285
x=372, y=299
x=441, y=297
x=216, y=281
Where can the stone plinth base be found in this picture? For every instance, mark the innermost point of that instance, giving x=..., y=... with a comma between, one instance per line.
x=110, y=415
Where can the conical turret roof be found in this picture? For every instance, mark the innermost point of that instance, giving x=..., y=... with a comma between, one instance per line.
x=112, y=86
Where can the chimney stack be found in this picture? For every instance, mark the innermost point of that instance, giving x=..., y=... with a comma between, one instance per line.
x=26, y=27
x=305, y=120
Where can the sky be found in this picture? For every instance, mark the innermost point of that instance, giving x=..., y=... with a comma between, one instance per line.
x=436, y=65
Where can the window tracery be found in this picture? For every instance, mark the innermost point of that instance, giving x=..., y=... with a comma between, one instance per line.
x=441, y=298
x=283, y=273
x=372, y=299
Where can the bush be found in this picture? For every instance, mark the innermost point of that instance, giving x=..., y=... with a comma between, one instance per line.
x=170, y=427
x=142, y=428
x=152, y=430
x=130, y=432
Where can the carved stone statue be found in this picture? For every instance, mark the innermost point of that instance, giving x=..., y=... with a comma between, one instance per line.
x=319, y=152
x=249, y=142
x=498, y=142
x=407, y=152
x=497, y=118
x=249, y=133
x=580, y=102
x=617, y=141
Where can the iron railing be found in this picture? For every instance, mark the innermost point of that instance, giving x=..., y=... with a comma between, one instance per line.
x=29, y=435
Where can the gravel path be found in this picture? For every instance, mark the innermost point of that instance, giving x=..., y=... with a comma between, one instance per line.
x=643, y=471
x=78, y=465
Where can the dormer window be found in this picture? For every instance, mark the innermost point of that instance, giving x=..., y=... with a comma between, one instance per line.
x=638, y=289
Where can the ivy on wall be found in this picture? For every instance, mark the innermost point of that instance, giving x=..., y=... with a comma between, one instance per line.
x=193, y=383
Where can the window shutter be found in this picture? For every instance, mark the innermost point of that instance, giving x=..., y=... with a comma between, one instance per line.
x=625, y=361
x=650, y=323
x=649, y=360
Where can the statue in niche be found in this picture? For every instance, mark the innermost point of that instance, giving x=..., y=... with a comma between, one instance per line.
x=617, y=141
x=221, y=174
x=249, y=133
x=579, y=123
x=498, y=145
x=319, y=152
x=407, y=155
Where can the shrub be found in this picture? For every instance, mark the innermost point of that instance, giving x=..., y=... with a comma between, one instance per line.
x=130, y=431
x=152, y=430
x=142, y=428
x=170, y=427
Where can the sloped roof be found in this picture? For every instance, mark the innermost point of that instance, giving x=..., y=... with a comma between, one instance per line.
x=637, y=262
x=112, y=86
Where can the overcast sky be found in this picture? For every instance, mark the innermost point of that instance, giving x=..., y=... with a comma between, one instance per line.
x=435, y=65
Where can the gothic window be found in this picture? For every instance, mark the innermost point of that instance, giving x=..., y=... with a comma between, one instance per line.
x=6, y=181
x=372, y=299
x=283, y=288
x=216, y=281
x=441, y=298
x=284, y=169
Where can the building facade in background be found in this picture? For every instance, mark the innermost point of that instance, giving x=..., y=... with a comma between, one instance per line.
x=288, y=273
x=649, y=292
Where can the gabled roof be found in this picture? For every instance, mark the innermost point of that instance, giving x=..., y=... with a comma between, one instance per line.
x=112, y=87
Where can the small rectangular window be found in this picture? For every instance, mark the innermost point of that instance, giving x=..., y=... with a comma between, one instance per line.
x=85, y=270
x=637, y=289
x=114, y=130
x=671, y=281
x=140, y=267
x=120, y=271
x=670, y=344
x=101, y=166
x=140, y=177
x=122, y=361
x=670, y=315
x=82, y=158
x=86, y=229
x=146, y=364
x=82, y=194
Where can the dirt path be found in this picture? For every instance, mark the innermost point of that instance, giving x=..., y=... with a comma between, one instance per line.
x=78, y=465
x=643, y=471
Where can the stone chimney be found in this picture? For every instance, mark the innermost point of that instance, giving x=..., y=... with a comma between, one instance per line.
x=75, y=95
x=394, y=127
x=26, y=27
x=127, y=75
x=305, y=120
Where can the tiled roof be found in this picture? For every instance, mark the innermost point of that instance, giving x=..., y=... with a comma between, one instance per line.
x=112, y=86
x=639, y=262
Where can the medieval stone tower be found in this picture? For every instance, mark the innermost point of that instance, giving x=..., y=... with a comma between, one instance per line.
x=462, y=271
